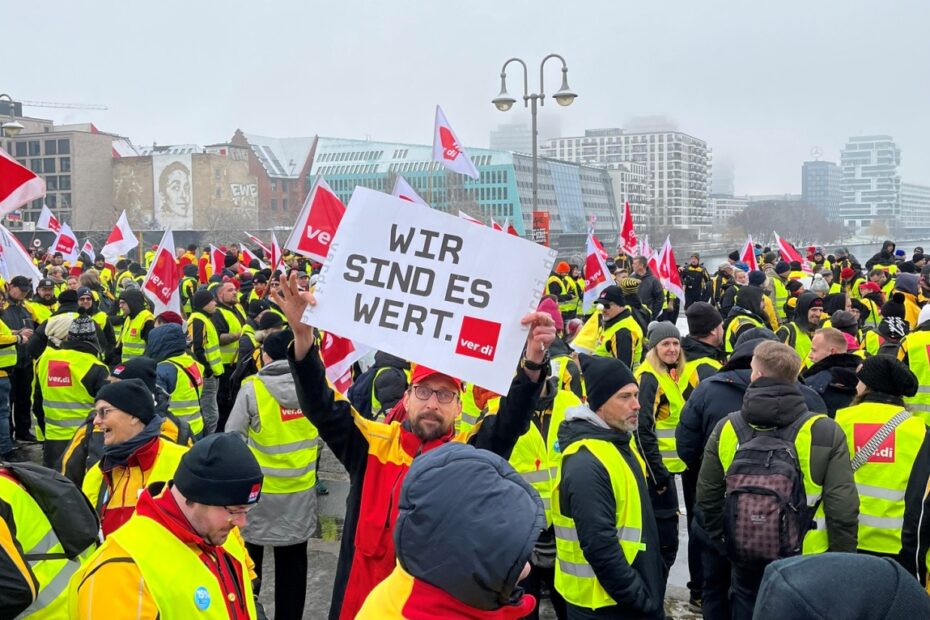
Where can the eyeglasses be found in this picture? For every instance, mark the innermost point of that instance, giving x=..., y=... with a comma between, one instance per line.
x=238, y=513
x=85, y=298
x=443, y=396
x=103, y=411
x=606, y=304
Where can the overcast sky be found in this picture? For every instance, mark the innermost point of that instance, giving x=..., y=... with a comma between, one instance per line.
x=763, y=84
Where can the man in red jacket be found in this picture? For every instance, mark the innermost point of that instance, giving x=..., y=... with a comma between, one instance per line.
x=377, y=455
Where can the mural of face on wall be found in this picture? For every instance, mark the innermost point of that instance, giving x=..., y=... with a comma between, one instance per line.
x=174, y=190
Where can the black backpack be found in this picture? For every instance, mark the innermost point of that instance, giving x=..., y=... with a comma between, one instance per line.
x=73, y=519
x=766, y=514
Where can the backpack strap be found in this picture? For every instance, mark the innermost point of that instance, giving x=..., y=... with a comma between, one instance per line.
x=189, y=376
x=865, y=452
x=744, y=432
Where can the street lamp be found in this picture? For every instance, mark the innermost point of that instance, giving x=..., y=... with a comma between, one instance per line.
x=564, y=97
x=12, y=127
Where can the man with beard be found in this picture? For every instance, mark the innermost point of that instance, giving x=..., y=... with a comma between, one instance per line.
x=798, y=332
x=378, y=456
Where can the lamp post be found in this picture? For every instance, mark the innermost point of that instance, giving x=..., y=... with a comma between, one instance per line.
x=564, y=97
x=12, y=127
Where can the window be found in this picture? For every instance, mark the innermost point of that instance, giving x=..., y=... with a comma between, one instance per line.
x=51, y=147
x=65, y=200
x=34, y=148
x=64, y=164
x=64, y=147
x=35, y=165
x=51, y=200
x=274, y=186
x=284, y=204
x=284, y=186
x=51, y=183
x=20, y=149
x=274, y=204
x=48, y=164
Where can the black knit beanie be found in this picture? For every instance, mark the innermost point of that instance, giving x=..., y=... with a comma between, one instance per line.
x=201, y=299
x=894, y=306
x=276, y=343
x=604, y=377
x=883, y=373
x=141, y=367
x=219, y=470
x=131, y=396
x=703, y=318
x=229, y=260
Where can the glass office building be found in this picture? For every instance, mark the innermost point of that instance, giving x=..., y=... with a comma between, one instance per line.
x=572, y=194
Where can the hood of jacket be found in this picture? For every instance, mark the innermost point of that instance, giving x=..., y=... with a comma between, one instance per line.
x=582, y=423
x=888, y=248
x=750, y=298
x=386, y=360
x=833, y=302
x=695, y=349
x=842, y=368
x=770, y=403
x=134, y=299
x=165, y=341
x=278, y=379
x=801, y=309
x=436, y=522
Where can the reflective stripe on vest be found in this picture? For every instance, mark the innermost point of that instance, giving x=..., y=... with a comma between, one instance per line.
x=730, y=337
x=466, y=422
x=779, y=298
x=574, y=578
x=665, y=427
x=917, y=345
x=229, y=352
x=7, y=352
x=65, y=400
x=606, y=335
x=131, y=335
x=882, y=480
x=537, y=460
x=816, y=539
x=800, y=342
x=180, y=583
x=285, y=446
x=211, y=345
x=185, y=398
x=35, y=536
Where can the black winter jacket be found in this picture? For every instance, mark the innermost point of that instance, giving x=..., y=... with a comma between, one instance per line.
x=587, y=497
x=651, y=292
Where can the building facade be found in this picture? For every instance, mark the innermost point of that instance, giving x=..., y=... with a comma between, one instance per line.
x=282, y=169
x=187, y=187
x=871, y=185
x=572, y=195
x=821, y=187
x=631, y=185
x=723, y=207
x=915, y=209
x=678, y=167
x=516, y=137
x=75, y=162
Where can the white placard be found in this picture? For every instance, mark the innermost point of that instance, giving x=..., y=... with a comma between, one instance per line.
x=430, y=288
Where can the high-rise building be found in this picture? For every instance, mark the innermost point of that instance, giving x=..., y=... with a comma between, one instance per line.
x=821, y=187
x=871, y=184
x=677, y=165
x=725, y=206
x=915, y=209
x=631, y=185
x=516, y=137
x=571, y=195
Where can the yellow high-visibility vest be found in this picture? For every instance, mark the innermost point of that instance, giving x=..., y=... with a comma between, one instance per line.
x=665, y=428
x=131, y=335
x=211, y=344
x=64, y=398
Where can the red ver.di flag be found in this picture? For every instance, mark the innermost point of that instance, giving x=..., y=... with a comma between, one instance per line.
x=628, y=240
x=447, y=149
x=596, y=275
x=338, y=356
x=47, y=221
x=18, y=184
x=161, y=283
x=120, y=241
x=429, y=287
x=317, y=223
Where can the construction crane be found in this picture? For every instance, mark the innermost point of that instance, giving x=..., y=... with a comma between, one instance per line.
x=58, y=104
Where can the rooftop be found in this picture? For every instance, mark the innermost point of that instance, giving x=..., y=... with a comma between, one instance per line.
x=281, y=157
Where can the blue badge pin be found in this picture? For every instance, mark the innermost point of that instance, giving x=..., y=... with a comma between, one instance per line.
x=201, y=598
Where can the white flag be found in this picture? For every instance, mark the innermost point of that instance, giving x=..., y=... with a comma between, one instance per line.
x=469, y=218
x=447, y=149
x=88, y=249
x=403, y=190
x=14, y=259
x=66, y=242
x=120, y=241
x=161, y=284
x=47, y=221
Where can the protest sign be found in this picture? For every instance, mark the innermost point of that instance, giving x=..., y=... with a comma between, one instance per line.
x=431, y=288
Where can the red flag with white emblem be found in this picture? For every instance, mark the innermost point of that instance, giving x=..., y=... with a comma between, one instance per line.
x=748, y=255
x=669, y=270
x=789, y=253
x=18, y=185
x=317, y=223
x=161, y=283
x=628, y=241
x=66, y=243
x=275, y=252
x=403, y=191
x=447, y=149
x=217, y=259
x=338, y=356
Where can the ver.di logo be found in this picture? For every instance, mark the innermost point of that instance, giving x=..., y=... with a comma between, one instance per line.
x=201, y=598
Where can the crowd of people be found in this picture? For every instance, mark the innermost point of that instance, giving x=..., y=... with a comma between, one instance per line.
x=177, y=448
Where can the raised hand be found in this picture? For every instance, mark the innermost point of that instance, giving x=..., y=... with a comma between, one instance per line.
x=293, y=302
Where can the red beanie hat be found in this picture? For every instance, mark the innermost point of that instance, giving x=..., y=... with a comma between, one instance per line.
x=548, y=306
